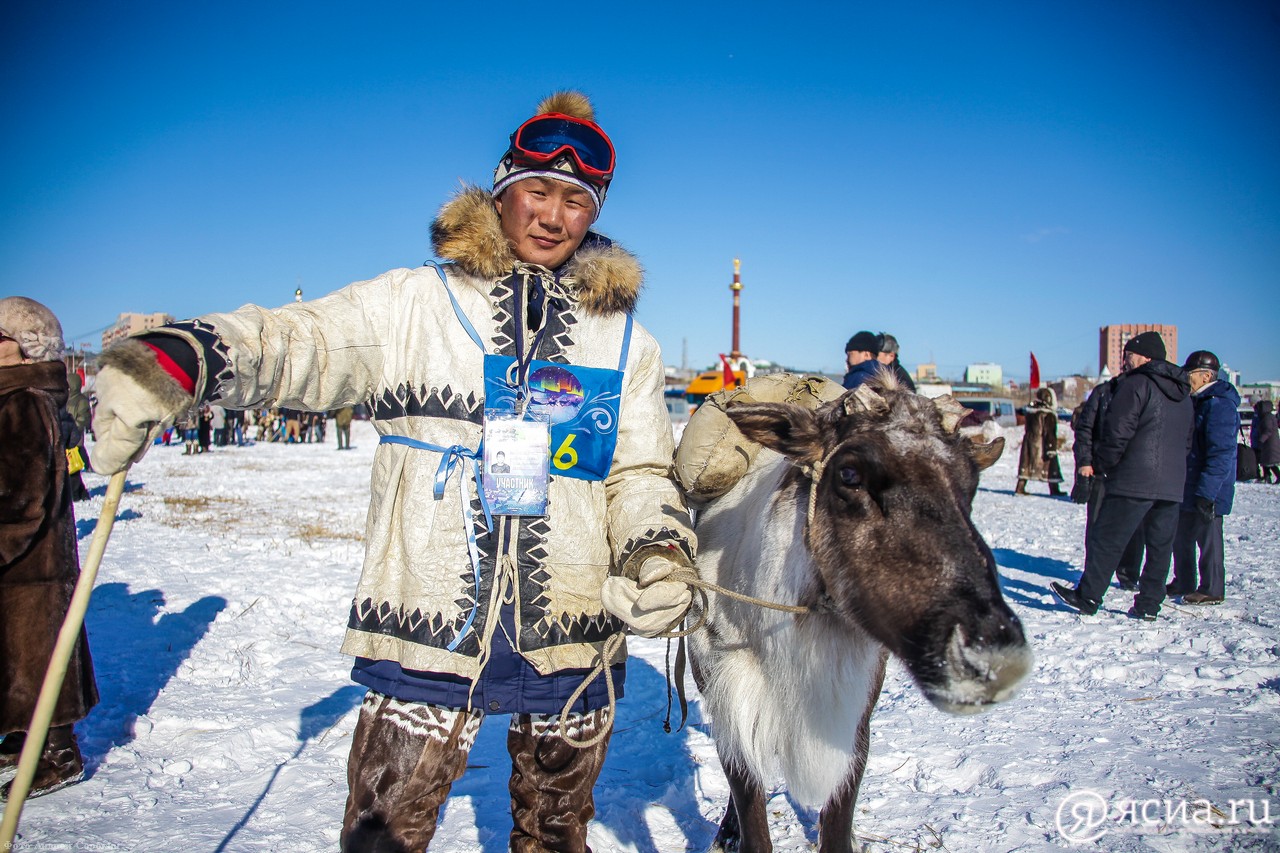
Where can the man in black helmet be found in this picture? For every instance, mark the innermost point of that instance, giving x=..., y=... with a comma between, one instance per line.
x=1142, y=459
x=888, y=356
x=1211, y=484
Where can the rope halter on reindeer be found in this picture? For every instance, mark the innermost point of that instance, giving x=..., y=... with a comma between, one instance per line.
x=714, y=455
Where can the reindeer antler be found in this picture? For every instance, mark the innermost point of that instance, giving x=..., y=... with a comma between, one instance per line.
x=865, y=399
x=951, y=412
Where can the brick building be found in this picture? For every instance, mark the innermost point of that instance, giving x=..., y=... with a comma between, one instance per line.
x=1111, y=341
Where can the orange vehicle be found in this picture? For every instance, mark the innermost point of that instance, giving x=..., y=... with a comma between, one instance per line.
x=709, y=382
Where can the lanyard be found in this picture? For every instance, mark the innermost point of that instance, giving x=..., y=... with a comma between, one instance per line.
x=523, y=359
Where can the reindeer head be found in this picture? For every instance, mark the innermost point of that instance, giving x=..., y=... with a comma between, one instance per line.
x=889, y=484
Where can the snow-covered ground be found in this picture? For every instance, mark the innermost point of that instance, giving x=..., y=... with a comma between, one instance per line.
x=226, y=711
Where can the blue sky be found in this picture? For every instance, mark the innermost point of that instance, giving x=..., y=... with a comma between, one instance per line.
x=982, y=180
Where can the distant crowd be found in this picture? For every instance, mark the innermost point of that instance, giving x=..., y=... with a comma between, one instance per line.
x=215, y=426
x=1157, y=450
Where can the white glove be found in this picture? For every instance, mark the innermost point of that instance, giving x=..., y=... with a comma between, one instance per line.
x=136, y=400
x=651, y=605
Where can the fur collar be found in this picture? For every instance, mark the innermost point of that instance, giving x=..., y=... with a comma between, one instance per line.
x=47, y=376
x=602, y=276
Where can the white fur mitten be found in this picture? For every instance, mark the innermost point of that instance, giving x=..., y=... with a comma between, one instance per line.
x=652, y=604
x=137, y=398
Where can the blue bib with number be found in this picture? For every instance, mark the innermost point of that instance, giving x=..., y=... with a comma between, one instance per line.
x=582, y=403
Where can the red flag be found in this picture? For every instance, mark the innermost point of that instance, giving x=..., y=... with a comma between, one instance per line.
x=730, y=380
x=1035, y=372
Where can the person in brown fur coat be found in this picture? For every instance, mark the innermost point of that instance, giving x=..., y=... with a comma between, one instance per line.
x=39, y=564
x=1039, y=457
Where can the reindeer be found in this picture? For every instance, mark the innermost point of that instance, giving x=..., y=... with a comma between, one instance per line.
x=859, y=512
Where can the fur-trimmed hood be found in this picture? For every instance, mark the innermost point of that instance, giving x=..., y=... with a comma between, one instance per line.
x=601, y=275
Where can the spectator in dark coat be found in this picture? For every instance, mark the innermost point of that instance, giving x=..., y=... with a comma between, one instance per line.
x=888, y=356
x=1211, y=484
x=204, y=428
x=1142, y=458
x=39, y=563
x=343, y=421
x=1265, y=441
x=860, y=357
x=1087, y=425
x=80, y=413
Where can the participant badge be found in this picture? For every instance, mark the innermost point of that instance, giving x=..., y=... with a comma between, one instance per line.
x=515, y=463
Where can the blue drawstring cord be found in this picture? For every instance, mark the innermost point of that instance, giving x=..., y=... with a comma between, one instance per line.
x=449, y=459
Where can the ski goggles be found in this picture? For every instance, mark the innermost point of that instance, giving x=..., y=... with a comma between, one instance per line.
x=546, y=138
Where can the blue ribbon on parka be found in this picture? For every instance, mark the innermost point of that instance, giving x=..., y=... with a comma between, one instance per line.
x=450, y=457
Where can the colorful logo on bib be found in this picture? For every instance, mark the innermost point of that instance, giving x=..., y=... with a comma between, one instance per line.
x=555, y=392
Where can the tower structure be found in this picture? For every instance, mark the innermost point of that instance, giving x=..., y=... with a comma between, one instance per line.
x=736, y=287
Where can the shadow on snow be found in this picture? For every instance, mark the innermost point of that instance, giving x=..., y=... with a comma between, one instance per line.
x=129, y=486
x=314, y=721
x=1029, y=594
x=85, y=527
x=134, y=656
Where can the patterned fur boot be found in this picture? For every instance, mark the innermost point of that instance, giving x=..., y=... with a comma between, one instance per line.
x=59, y=766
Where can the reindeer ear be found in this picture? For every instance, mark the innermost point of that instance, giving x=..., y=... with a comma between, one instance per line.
x=788, y=429
x=986, y=454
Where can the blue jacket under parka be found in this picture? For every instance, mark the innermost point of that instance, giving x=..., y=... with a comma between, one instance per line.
x=1211, y=463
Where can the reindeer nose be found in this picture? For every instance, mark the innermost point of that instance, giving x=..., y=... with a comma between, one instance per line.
x=1001, y=627
x=984, y=669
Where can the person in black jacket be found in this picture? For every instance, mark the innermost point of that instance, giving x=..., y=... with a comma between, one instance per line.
x=1142, y=458
x=1087, y=426
x=888, y=356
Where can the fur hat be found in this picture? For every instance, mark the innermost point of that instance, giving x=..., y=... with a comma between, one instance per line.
x=1202, y=359
x=33, y=326
x=1148, y=344
x=570, y=103
x=864, y=342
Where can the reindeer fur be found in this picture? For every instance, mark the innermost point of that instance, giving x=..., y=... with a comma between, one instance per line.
x=889, y=563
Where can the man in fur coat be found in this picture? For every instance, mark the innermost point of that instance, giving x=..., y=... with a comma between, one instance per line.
x=39, y=564
x=468, y=604
x=1038, y=459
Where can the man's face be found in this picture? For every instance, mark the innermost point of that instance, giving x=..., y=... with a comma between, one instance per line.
x=853, y=358
x=1200, y=378
x=886, y=358
x=544, y=219
x=1132, y=361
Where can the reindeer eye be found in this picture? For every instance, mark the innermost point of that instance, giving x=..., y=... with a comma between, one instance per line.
x=850, y=477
